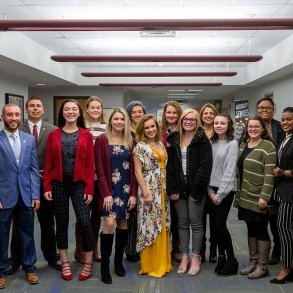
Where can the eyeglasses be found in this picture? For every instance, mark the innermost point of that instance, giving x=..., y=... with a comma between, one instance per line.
x=254, y=127
x=188, y=120
x=261, y=108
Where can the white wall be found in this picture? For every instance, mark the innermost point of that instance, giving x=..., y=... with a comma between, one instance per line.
x=111, y=97
x=12, y=86
x=282, y=90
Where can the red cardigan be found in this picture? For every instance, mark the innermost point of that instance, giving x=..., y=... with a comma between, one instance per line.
x=103, y=170
x=84, y=160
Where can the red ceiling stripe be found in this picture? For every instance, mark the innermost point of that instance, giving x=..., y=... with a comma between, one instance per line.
x=157, y=58
x=159, y=84
x=156, y=74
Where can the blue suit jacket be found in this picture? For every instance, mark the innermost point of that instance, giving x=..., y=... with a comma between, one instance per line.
x=18, y=180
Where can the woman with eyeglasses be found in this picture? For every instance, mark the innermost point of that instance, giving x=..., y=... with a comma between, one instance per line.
x=284, y=175
x=188, y=175
x=117, y=188
x=171, y=114
x=257, y=159
x=265, y=108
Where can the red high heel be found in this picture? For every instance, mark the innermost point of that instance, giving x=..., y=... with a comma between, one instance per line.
x=66, y=271
x=86, y=272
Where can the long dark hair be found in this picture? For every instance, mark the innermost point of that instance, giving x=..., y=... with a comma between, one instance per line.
x=230, y=129
x=264, y=135
x=80, y=120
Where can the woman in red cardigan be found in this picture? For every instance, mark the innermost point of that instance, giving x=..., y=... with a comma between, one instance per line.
x=69, y=173
x=117, y=188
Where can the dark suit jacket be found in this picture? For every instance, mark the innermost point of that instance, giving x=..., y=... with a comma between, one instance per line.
x=46, y=128
x=84, y=160
x=285, y=184
x=22, y=179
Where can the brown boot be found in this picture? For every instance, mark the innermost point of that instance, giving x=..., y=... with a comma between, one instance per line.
x=253, y=252
x=262, y=269
x=96, y=223
x=79, y=254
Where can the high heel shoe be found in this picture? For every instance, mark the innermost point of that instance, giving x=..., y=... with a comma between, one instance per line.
x=66, y=271
x=183, y=265
x=195, y=265
x=288, y=277
x=86, y=272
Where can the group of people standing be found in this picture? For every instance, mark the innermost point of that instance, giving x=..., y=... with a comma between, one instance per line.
x=152, y=184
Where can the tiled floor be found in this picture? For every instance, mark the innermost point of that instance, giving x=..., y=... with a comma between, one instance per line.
x=206, y=281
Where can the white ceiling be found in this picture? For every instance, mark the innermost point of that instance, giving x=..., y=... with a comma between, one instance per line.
x=130, y=43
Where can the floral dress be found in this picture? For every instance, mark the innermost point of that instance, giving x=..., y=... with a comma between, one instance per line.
x=120, y=178
x=153, y=239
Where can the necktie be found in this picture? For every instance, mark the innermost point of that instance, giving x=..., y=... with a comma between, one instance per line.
x=35, y=133
x=16, y=147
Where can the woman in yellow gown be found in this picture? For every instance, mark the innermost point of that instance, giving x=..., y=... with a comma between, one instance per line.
x=153, y=240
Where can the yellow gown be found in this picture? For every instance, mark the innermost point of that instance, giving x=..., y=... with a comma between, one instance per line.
x=155, y=260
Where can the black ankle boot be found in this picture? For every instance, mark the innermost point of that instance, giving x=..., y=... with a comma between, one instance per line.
x=230, y=268
x=220, y=263
x=213, y=253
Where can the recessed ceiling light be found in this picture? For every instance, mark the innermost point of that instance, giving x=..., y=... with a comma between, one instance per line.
x=184, y=94
x=40, y=84
x=157, y=34
x=186, y=91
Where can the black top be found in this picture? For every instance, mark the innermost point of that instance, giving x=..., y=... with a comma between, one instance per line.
x=68, y=145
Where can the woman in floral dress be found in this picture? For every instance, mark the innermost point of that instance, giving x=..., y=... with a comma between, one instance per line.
x=117, y=188
x=153, y=239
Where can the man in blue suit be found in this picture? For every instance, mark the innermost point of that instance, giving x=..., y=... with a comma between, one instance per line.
x=19, y=192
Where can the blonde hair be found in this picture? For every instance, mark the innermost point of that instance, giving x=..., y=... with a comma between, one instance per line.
x=208, y=105
x=180, y=128
x=127, y=138
x=140, y=135
x=86, y=115
x=164, y=124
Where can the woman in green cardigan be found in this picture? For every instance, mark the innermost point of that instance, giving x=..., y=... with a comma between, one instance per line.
x=257, y=159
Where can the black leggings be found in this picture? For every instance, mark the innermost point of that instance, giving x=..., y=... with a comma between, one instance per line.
x=258, y=230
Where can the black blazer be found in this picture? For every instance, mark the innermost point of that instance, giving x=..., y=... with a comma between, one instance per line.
x=285, y=184
x=198, y=170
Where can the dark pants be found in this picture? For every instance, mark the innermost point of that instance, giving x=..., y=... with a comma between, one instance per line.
x=24, y=220
x=209, y=210
x=174, y=222
x=61, y=193
x=48, y=236
x=222, y=233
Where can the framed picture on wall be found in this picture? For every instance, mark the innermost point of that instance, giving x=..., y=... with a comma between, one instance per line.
x=17, y=100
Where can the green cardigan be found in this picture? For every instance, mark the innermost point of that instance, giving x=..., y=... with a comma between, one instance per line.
x=258, y=180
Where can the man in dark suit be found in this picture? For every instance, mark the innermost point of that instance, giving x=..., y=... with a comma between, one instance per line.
x=19, y=192
x=36, y=126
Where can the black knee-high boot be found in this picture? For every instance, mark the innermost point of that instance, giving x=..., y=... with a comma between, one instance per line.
x=106, y=251
x=120, y=243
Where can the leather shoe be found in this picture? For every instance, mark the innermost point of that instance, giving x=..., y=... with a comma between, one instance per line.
x=3, y=283
x=289, y=278
x=13, y=268
x=32, y=278
x=55, y=265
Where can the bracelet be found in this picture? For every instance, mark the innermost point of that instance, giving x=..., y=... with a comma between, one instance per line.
x=146, y=195
x=281, y=173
